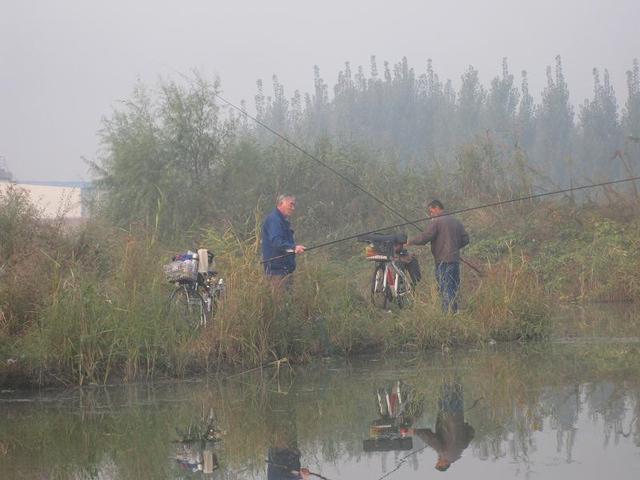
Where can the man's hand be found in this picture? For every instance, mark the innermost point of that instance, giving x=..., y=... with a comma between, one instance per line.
x=299, y=249
x=304, y=472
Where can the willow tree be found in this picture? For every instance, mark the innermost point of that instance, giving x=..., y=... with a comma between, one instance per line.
x=161, y=155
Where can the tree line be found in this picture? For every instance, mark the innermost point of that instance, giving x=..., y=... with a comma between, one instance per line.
x=175, y=159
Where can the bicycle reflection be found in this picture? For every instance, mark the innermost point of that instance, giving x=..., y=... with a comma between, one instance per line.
x=197, y=457
x=194, y=452
x=399, y=407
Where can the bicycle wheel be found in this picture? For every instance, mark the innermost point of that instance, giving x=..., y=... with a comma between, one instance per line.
x=186, y=304
x=210, y=300
x=405, y=293
x=380, y=295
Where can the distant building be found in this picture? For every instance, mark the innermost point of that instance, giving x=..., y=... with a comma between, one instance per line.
x=5, y=174
x=55, y=199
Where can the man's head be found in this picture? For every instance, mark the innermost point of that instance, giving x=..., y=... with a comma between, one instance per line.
x=442, y=464
x=435, y=208
x=286, y=204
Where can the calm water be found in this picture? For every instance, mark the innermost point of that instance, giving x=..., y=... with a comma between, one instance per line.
x=569, y=408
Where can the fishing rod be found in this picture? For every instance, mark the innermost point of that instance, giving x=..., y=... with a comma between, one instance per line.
x=385, y=204
x=331, y=169
x=295, y=472
x=328, y=167
x=464, y=210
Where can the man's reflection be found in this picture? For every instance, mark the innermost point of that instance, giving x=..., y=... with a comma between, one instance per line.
x=452, y=434
x=283, y=456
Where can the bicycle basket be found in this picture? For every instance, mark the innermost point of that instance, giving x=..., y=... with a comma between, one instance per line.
x=376, y=251
x=181, y=271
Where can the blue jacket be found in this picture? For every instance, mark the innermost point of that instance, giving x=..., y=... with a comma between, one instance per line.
x=277, y=238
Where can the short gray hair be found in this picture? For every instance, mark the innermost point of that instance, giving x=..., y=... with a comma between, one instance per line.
x=281, y=198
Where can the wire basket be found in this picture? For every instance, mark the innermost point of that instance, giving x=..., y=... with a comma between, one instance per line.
x=181, y=271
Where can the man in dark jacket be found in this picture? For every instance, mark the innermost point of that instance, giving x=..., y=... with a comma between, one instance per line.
x=278, y=245
x=447, y=236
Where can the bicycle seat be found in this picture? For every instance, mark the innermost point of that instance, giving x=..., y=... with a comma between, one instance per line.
x=380, y=238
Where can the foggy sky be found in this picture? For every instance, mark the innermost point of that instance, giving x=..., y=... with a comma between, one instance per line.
x=64, y=64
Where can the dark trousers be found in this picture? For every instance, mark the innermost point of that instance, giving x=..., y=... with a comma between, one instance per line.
x=448, y=278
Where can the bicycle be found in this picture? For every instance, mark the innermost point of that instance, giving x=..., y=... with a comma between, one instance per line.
x=197, y=289
x=389, y=282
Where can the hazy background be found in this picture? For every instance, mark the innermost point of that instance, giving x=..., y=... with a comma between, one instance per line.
x=64, y=64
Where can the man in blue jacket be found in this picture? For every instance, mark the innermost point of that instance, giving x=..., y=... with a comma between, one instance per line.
x=277, y=240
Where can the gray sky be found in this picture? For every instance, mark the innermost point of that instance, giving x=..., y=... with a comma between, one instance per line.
x=64, y=64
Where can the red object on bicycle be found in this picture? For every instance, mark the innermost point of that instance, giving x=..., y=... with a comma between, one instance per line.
x=390, y=279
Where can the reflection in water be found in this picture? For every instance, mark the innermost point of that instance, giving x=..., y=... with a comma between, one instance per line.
x=452, y=434
x=397, y=408
x=553, y=411
x=197, y=457
x=563, y=405
x=283, y=456
x=195, y=448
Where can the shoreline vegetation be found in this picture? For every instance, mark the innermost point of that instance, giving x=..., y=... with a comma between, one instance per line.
x=87, y=304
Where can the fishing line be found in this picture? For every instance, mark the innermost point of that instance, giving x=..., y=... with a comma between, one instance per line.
x=464, y=210
x=382, y=202
x=386, y=205
x=317, y=160
x=312, y=157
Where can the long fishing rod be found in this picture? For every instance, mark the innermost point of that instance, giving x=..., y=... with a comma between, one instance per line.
x=331, y=169
x=328, y=167
x=295, y=472
x=464, y=210
x=386, y=205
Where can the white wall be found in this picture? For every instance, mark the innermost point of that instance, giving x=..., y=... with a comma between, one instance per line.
x=53, y=200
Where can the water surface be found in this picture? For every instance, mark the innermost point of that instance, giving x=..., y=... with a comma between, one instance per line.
x=566, y=409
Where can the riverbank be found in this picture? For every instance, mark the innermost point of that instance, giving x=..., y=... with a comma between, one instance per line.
x=88, y=306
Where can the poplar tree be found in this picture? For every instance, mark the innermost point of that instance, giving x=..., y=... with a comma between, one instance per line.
x=500, y=109
x=631, y=117
x=525, y=119
x=554, y=127
x=469, y=107
x=599, y=130
x=631, y=114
